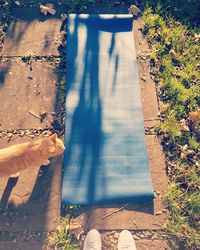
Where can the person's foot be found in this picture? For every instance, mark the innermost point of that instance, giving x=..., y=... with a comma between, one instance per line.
x=92, y=240
x=126, y=241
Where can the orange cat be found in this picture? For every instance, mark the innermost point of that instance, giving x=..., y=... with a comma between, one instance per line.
x=29, y=154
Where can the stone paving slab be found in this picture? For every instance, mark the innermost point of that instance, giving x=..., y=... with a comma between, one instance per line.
x=152, y=245
x=29, y=30
x=23, y=91
x=146, y=241
x=147, y=85
x=140, y=216
x=32, y=202
x=19, y=245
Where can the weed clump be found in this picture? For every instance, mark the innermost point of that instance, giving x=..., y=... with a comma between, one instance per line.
x=174, y=59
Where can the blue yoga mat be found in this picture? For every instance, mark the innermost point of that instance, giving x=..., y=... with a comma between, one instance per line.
x=106, y=158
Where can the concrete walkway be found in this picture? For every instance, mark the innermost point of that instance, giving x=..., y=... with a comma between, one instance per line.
x=28, y=90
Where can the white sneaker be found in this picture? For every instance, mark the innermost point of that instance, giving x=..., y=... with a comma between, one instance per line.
x=92, y=240
x=126, y=241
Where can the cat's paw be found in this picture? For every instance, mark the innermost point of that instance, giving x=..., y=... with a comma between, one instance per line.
x=46, y=163
x=14, y=175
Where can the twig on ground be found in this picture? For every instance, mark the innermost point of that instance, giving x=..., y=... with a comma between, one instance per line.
x=142, y=66
x=114, y=212
x=33, y=114
x=40, y=117
x=89, y=220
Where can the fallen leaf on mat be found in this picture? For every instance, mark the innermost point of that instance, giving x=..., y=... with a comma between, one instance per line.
x=17, y=3
x=47, y=10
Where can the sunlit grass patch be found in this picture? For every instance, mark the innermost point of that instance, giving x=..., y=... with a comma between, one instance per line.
x=175, y=67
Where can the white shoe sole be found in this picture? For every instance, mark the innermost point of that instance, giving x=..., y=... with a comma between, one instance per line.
x=92, y=240
x=126, y=241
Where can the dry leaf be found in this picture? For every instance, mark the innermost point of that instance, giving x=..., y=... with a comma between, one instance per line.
x=184, y=148
x=74, y=224
x=63, y=37
x=47, y=9
x=63, y=17
x=182, y=40
x=62, y=34
x=196, y=37
x=76, y=228
x=183, y=229
x=172, y=54
x=17, y=3
x=165, y=34
x=183, y=156
x=159, y=213
x=194, y=116
x=43, y=115
x=143, y=78
x=185, y=152
x=134, y=10
x=184, y=126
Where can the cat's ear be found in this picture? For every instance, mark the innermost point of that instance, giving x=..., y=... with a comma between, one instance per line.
x=53, y=137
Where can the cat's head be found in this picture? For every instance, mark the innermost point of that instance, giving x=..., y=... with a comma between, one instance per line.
x=54, y=145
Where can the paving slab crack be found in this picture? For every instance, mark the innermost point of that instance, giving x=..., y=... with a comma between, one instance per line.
x=11, y=134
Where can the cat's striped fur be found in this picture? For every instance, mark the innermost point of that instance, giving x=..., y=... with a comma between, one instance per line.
x=18, y=157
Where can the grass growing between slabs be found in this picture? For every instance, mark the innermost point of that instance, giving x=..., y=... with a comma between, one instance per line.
x=62, y=239
x=174, y=57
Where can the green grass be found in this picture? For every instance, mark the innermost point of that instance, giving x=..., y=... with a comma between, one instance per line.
x=186, y=11
x=80, y=5
x=62, y=239
x=174, y=60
